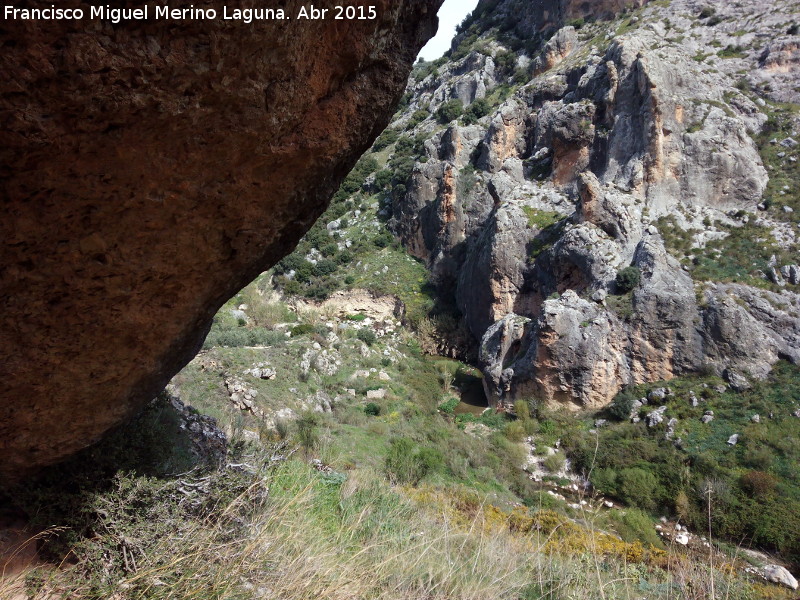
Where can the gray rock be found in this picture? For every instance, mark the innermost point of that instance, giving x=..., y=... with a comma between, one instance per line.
x=788, y=142
x=733, y=440
x=738, y=382
x=671, y=425
x=656, y=417
x=791, y=273
x=756, y=419
x=319, y=402
x=779, y=575
x=707, y=417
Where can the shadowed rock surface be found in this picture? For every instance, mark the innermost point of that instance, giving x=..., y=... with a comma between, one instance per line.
x=148, y=171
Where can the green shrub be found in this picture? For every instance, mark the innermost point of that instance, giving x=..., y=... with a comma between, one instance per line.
x=372, y=409
x=325, y=266
x=329, y=250
x=367, y=336
x=417, y=118
x=383, y=239
x=628, y=278
x=621, y=405
x=382, y=179
x=408, y=463
x=633, y=525
x=302, y=329
x=238, y=337
x=637, y=487
x=515, y=431
x=449, y=111
x=605, y=481
x=387, y=138
x=307, y=434
x=708, y=11
x=475, y=111
x=449, y=406
x=555, y=462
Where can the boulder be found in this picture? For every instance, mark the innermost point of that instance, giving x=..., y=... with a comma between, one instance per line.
x=780, y=575
x=149, y=172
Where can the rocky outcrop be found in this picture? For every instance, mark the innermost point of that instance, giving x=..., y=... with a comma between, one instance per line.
x=149, y=171
x=527, y=215
x=548, y=15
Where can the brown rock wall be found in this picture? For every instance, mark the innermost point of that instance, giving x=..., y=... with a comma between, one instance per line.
x=149, y=170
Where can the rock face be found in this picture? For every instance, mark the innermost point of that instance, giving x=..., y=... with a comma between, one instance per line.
x=612, y=130
x=149, y=170
x=548, y=14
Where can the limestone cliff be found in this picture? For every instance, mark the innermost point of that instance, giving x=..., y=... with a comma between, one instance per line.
x=597, y=137
x=150, y=169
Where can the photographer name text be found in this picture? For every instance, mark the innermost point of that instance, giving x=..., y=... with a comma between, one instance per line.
x=191, y=13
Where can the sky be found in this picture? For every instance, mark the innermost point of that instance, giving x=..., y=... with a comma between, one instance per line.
x=450, y=15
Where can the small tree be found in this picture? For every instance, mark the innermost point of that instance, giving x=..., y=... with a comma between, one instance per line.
x=367, y=336
x=621, y=406
x=450, y=111
x=307, y=431
x=628, y=278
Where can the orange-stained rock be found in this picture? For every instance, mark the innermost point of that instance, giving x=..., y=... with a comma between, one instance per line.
x=148, y=171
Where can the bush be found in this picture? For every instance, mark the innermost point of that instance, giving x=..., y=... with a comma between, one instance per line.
x=307, y=431
x=555, y=462
x=636, y=487
x=758, y=484
x=417, y=118
x=407, y=463
x=605, y=481
x=515, y=431
x=633, y=525
x=383, y=239
x=449, y=406
x=302, y=329
x=372, y=409
x=707, y=11
x=450, y=110
x=628, y=278
x=329, y=250
x=621, y=405
x=325, y=266
x=478, y=109
x=387, y=138
x=382, y=179
x=367, y=336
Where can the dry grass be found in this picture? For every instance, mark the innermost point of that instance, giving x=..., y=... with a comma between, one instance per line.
x=294, y=533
